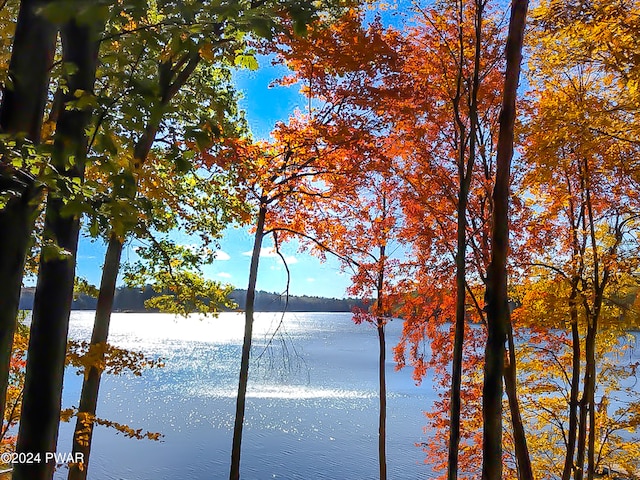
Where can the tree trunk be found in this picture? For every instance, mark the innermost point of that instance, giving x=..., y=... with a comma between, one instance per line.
x=569, y=464
x=465, y=174
x=589, y=391
x=91, y=384
x=511, y=386
x=458, y=341
x=586, y=401
x=83, y=433
x=382, y=423
x=496, y=295
x=21, y=111
x=234, y=473
x=382, y=387
x=52, y=304
x=34, y=44
x=599, y=282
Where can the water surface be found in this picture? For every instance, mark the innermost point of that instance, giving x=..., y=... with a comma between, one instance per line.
x=312, y=408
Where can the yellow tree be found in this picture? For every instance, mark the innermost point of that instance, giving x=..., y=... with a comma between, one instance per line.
x=582, y=192
x=546, y=360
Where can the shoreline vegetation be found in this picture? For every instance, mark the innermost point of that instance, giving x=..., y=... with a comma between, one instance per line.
x=131, y=300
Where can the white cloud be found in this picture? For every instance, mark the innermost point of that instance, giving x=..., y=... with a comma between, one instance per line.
x=224, y=275
x=270, y=252
x=310, y=279
x=221, y=256
x=264, y=252
x=204, y=251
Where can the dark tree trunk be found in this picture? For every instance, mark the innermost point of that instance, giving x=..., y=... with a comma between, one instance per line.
x=465, y=174
x=91, y=384
x=21, y=111
x=587, y=428
x=599, y=282
x=586, y=401
x=234, y=473
x=52, y=304
x=569, y=464
x=29, y=69
x=382, y=420
x=458, y=341
x=382, y=379
x=496, y=295
x=589, y=392
x=519, y=438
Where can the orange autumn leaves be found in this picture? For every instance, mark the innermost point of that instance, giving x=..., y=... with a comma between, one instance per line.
x=371, y=173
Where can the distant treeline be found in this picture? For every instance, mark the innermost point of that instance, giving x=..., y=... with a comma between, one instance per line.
x=132, y=300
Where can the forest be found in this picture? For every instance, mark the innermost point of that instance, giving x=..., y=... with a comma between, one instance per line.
x=469, y=163
x=133, y=300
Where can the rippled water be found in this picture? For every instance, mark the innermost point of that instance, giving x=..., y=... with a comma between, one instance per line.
x=311, y=410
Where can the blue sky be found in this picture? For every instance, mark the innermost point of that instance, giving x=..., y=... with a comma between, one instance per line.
x=264, y=106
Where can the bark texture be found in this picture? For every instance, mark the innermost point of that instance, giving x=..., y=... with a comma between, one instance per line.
x=523, y=460
x=52, y=303
x=496, y=297
x=21, y=112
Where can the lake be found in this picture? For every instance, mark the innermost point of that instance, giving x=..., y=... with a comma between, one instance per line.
x=312, y=408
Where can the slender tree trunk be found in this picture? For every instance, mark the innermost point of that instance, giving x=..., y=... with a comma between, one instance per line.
x=458, y=341
x=52, y=304
x=578, y=255
x=590, y=377
x=590, y=367
x=599, y=282
x=492, y=402
x=83, y=433
x=587, y=429
x=21, y=111
x=569, y=464
x=582, y=438
x=465, y=174
x=234, y=473
x=511, y=386
x=586, y=401
x=382, y=423
x=382, y=387
x=496, y=295
x=590, y=389
x=91, y=384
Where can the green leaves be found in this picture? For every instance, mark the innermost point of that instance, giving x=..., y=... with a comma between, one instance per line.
x=246, y=60
x=82, y=286
x=174, y=272
x=52, y=252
